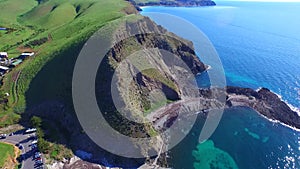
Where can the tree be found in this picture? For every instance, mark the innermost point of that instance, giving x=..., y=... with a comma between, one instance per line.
x=40, y=133
x=43, y=145
x=36, y=121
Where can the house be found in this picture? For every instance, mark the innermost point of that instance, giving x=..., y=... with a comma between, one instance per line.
x=3, y=55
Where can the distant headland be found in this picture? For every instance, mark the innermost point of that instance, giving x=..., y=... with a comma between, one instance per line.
x=172, y=3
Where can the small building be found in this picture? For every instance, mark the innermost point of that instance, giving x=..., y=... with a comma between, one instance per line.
x=3, y=55
x=3, y=70
x=16, y=62
x=28, y=53
x=25, y=55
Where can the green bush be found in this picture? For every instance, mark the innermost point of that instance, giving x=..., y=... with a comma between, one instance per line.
x=43, y=145
x=36, y=121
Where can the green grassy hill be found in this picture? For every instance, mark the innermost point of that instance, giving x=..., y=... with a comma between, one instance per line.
x=52, y=29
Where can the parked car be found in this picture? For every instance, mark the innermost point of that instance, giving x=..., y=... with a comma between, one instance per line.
x=34, y=142
x=33, y=146
x=39, y=159
x=37, y=155
x=40, y=167
x=3, y=136
x=21, y=147
x=38, y=162
x=30, y=130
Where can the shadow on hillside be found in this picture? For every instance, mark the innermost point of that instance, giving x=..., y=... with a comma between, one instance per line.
x=50, y=97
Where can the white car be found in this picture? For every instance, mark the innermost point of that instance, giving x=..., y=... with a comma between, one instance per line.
x=34, y=142
x=3, y=136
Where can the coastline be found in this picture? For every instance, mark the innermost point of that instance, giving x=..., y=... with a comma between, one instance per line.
x=293, y=108
x=141, y=8
x=277, y=122
x=274, y=116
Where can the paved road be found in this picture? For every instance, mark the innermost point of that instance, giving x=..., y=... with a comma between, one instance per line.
x=27, y=153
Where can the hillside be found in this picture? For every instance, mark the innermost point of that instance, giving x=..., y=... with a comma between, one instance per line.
x=55, y=30
x=42, y=85
x=47, y=28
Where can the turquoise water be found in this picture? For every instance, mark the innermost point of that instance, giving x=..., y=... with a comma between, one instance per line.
x=259, y=46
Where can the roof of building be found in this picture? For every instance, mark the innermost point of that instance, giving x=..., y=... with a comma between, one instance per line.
x=18, y=61
x=28, y=53
x=3, y=53
x=4, y=68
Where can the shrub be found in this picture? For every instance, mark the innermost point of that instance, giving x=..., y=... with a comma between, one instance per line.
x=36, y=121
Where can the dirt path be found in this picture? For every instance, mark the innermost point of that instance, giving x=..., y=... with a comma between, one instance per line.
x=15, y=86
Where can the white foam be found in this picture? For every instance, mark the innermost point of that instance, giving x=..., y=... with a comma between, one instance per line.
x=293, y=108
x=279, y=122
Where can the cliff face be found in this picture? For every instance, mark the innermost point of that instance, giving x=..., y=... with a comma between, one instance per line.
x=145, y=66
x=146, y=52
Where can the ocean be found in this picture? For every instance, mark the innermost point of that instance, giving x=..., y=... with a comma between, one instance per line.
x=259, y=46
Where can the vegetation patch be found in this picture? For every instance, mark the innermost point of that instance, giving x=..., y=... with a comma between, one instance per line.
x=68, y=23
x=156, y=75
x=6, y=153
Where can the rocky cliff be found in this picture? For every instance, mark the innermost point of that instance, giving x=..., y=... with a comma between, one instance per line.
x=145, y=67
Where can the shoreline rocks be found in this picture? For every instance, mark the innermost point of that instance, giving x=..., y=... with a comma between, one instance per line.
x=265, y=102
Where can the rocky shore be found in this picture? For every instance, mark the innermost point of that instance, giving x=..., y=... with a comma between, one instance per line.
x=265, y=102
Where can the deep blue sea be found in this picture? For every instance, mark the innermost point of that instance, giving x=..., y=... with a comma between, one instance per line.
x=259, y=46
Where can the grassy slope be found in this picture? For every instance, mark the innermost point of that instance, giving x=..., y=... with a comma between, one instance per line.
x=10, y=10
x=69, y=23
x=6, y=151
x=156, y=75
